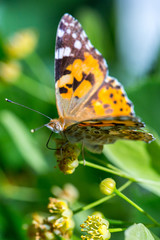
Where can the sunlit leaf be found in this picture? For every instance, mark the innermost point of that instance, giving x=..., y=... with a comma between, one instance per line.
x=36, y=89
x=139, y=232
x=134, y=158
x=146, y=101
x=23, y=141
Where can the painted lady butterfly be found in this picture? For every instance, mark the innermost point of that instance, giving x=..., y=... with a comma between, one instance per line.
x=93, y=107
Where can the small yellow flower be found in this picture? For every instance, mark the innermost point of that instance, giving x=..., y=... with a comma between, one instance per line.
x=21, y=44
x=95, y=228
x=69, y=192
x=61, y=217
x=9, y=71
x=107, y=186
x=67, y=156
x=59, y=223
x=57, y=206
x=40, y=229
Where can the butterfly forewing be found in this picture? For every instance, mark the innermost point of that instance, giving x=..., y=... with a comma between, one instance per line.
x=79, y=68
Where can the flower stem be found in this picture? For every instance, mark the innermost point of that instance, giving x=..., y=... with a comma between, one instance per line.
x=102, y=200
x=112, y=230
x=119, y=222
x=105, y=164
x=136, y=206
x=93, y=165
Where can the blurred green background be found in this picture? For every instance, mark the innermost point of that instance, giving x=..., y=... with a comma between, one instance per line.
x=121, y=31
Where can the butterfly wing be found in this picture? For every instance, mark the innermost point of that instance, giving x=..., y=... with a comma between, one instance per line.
x=83, y=88
x=93, y=105
x=110, y=100
x=79, y=68
x=95, y=133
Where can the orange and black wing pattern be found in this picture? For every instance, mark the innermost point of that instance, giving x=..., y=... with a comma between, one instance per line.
x=79, y=68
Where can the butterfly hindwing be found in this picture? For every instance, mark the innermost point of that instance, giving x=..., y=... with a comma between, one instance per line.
x=95, y=133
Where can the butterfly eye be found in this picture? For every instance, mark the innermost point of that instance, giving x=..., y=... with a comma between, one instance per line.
x=55, y=125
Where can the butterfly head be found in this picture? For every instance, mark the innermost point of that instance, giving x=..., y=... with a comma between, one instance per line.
x=55, y=125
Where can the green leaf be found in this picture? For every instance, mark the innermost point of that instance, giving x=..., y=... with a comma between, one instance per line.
x=136, y=160
x=23, y=141
x=36, y=89
x=139, y=232
x=146, y=101
x=155, y=237
x=39, y=69
x=75, y=237
x=154, y=151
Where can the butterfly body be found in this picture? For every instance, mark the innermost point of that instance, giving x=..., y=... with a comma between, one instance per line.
x=93, y=107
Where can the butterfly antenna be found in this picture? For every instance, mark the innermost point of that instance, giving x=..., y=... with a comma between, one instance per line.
x=35, y=129
x=10, y=101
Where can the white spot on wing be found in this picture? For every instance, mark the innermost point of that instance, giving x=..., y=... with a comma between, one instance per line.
x=68, y=30
x=59, y=53
x=89, y=44
x=64, y=22
x=87, y=47
x=69, y=16
x=74, y=35
x=60, y=32
x=77, y=44
x=62, y=52
x=67, y=52
x=72, y=24
x=106, y=79
x=84, y=34
x=98, y=53
x=105, y=63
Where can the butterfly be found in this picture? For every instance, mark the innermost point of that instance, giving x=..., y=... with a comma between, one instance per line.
x=93, y=107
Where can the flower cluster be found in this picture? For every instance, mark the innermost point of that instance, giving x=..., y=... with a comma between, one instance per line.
x=59, y=223
x=61, y=217
x=19, y=46
x=9, y=71
x=40, y=229
x=67, y=156
x=95, y=228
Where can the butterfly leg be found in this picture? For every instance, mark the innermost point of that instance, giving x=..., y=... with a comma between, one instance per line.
x=47, y=144
x=83, y=158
